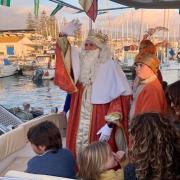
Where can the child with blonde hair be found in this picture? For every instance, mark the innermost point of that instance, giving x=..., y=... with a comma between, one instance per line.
x=96, y=162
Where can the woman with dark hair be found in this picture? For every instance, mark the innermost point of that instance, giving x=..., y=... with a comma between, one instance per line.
x=152, y=151
x=173, y=97
x=51, y=159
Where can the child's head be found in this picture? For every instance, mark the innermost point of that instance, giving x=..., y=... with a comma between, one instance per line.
x=153, y=145
x=44, y=136
x=94, y=159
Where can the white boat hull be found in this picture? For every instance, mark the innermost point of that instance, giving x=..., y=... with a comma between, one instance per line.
x=7, y=70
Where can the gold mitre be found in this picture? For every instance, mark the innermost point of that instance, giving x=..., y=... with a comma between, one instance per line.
x=97, y=37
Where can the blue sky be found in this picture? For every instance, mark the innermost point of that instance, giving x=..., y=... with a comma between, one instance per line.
x=14, y=17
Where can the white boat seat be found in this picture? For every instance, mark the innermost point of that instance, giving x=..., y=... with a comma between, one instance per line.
x=11, y=142
x=29, y=176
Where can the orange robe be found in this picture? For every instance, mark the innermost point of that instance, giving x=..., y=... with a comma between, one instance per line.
x=150, y=98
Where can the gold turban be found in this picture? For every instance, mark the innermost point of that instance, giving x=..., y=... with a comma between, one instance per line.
x=150, y=60
x=147, y=55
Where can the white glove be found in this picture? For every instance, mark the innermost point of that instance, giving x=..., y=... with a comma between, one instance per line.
x=105, y=132
x=70, y=28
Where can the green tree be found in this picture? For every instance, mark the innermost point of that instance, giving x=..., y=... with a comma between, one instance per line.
x=37, y=27
x=30, y=24
x=52, y=27
x=43, y=24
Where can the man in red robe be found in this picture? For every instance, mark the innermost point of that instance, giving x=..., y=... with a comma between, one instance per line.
x=100, y=92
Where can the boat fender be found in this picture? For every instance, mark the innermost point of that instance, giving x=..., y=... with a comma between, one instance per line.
x=46, y=73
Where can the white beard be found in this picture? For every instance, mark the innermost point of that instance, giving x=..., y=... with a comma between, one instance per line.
x=88, y=66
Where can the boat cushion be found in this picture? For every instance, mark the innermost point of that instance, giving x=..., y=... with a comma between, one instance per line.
x=30, y=176
x=11, y=142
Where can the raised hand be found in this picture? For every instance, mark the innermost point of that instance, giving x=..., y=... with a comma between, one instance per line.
x=71, y=28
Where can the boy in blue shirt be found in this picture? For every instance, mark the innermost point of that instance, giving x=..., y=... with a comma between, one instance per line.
x=51, y=159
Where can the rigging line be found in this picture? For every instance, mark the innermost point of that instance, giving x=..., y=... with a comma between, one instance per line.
x=107, y=9
x=67, y=5
x=81, y=10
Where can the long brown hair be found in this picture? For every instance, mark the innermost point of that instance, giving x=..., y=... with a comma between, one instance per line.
x=173, y=92
x=92, y=159
x=173, y=96
x=153, y=146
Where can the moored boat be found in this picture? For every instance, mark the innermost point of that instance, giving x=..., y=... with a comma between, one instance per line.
x=48, y=74
x=7, y=68
x=43, y=73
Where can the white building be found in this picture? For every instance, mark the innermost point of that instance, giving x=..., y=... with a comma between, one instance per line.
x=19, y=46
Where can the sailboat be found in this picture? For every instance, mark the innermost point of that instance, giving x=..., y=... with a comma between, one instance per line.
x=170, y=66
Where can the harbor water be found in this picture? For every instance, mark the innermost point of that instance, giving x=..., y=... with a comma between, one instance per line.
x=16, y=90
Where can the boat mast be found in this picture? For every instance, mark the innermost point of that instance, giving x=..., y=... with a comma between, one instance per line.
x=141, y=23
x=90, y=24
x=132, y=27
x=164, y=51
x=168, y=25
x=179, y=38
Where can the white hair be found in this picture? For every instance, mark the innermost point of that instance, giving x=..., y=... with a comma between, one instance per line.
x=90, y=60
x=104, y=54
x=88, y=66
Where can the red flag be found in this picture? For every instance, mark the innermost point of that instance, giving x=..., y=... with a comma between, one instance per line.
x=90, y=7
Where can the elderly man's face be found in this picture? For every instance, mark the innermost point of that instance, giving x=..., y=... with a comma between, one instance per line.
x=89, y=45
